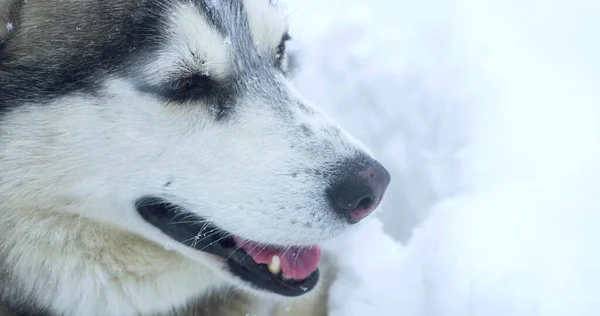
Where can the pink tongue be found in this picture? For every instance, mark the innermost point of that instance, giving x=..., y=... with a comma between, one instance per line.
x=297, y=262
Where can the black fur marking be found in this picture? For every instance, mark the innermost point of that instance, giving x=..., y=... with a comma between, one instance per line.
x=90, y=55
x=23, y=310
x=218, y=95
x=13, y=17
x=14, y=301
x=97, y=41
x=282, y=51
x=141, y=16
x=79, y=63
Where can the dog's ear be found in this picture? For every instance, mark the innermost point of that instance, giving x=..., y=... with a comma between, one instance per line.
x=10, y=12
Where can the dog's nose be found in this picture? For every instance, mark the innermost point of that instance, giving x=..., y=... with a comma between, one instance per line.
x=360, y=190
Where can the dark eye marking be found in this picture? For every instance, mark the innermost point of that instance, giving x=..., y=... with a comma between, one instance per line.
x=280, y=53
x=181, y=85
x=189, y=88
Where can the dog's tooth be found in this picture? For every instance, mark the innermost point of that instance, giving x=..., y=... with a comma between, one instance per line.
x=285, y=277
x=275, y=265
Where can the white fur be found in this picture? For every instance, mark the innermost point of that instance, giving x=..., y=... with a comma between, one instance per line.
x=71, y=170
x=268, y=21
x=194, y=46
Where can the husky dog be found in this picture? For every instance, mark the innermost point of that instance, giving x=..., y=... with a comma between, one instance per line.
x=156, y=159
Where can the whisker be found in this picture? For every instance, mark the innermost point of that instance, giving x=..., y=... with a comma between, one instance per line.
x=187, y=222
x=197, y=238
x=251, y=250
x=295, y=10
x=216, y=241
x=236, y=248
x=263, y=249
x=287, y=248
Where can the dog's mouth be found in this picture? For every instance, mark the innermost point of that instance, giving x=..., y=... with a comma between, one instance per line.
x=287, y=271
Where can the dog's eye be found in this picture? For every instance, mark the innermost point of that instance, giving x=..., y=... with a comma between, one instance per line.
x=280, y=54
x=181, y=85
x=187, y=88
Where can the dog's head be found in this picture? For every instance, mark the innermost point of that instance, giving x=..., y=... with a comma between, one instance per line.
x=176, y=120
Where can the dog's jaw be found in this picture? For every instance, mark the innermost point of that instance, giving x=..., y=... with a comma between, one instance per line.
x=93, y=269
x=119, y=273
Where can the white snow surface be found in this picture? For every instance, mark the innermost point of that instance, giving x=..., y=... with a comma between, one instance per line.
x=488, y=115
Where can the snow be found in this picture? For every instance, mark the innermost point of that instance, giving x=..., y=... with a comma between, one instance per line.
x=522, y=250
x=388, y=72
x=486, y=112
x=364, y=270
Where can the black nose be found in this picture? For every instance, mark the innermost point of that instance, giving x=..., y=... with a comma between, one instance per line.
x=359, y=188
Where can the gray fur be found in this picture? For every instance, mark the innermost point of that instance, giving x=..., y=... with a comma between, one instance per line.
x=88, y=124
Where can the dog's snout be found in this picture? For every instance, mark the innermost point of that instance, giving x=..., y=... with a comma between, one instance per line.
x=359, y=191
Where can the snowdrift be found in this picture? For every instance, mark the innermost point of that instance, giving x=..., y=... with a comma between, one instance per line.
x=502, y=144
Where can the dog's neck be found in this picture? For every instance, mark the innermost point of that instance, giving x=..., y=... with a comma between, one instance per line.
x=78, y=267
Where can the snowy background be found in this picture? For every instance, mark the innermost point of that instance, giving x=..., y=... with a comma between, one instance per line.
x=487, y=114
x=390, y=73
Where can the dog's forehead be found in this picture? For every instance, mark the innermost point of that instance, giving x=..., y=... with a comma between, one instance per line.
x=209, y=36
x=51, y=25
x=264, y=20
x=69, y=45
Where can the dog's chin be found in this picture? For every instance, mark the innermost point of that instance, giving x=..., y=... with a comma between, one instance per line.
x=263, y=269
x=221, y=269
